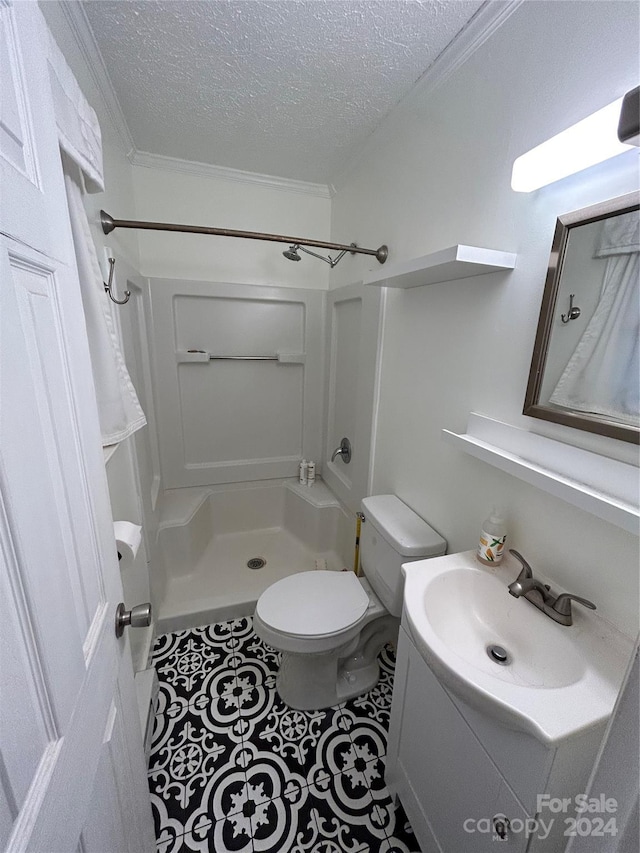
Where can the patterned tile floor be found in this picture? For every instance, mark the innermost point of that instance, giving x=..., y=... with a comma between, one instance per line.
x=234, y=769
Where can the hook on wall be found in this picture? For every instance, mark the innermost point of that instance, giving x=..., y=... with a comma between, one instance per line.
x=108, y=285
x=573, y=313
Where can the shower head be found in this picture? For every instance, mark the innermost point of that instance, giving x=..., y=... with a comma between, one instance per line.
x=291, y=253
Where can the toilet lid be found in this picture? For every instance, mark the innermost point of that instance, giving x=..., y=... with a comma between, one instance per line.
x=313, y=603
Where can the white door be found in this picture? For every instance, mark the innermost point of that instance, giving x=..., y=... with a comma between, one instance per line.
x=72, y=773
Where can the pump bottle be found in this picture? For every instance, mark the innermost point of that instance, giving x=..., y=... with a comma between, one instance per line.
x=492, y=539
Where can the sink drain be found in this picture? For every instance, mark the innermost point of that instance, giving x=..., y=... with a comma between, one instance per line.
x=256, y=563
x=498, y=655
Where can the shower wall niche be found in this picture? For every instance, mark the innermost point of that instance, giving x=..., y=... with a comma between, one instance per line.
x=231, y=419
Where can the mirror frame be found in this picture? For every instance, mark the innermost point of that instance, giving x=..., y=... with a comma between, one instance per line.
x=532, y=406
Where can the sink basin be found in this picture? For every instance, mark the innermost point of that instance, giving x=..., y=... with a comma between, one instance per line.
x=485, y=615
x=557, y=681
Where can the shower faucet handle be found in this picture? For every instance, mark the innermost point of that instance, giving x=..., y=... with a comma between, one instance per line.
x=344, y=451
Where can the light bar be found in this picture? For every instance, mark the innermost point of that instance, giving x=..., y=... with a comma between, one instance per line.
x=590, y=141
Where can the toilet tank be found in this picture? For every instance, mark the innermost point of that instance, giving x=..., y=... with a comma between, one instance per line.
x=392, y=534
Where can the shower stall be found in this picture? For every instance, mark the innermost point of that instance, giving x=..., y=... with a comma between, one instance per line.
x=242, y=382
x=224, y=545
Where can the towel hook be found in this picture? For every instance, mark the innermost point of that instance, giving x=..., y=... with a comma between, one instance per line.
x=109, y=285
x=574, y=311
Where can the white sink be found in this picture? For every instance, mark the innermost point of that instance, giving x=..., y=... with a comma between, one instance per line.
x=558, y=681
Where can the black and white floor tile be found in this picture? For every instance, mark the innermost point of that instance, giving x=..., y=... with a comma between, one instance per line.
x=235, y=770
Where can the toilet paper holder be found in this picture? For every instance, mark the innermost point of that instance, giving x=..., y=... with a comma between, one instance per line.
x=138, y=617
x=128, y=538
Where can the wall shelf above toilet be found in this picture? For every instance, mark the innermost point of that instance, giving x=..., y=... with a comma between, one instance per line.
x=446, y=265
x=606, y=488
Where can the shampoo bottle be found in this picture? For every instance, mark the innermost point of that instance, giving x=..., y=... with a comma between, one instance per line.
x=311, y=473
x=492, y=538
x=302, y=472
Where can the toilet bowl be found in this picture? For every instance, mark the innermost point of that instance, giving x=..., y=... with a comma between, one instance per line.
x=331, y=626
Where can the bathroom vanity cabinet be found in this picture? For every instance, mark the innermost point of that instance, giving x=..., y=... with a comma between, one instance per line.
x=466, y=780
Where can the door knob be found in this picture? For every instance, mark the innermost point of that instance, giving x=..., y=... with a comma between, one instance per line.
x=138, y=617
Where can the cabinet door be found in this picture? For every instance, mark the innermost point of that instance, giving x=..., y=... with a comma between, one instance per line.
x=441, y=765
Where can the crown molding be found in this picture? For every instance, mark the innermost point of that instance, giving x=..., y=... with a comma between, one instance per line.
x=207, y=170
x=486, y=21
x=85, y=39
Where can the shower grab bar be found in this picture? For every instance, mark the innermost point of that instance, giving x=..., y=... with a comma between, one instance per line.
x=200, y=355
x=243, y=358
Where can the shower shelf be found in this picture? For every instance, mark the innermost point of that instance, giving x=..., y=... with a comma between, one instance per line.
x=447, y=265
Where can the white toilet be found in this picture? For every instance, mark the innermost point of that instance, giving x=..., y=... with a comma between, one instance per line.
x=330, y=626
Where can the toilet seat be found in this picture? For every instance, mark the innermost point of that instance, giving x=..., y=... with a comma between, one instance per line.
x=313, y=604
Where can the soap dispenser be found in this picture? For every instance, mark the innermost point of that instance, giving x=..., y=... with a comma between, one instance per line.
x=492, y=538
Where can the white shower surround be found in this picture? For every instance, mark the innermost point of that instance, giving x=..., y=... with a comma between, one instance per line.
x=207, y=536
x=232, y=420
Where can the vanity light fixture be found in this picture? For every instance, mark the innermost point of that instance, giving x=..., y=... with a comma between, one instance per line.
x=590, y=141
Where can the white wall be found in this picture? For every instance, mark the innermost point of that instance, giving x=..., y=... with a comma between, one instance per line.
x=442, y=163
x=163, y=195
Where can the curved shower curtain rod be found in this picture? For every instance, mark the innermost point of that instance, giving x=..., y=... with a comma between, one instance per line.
x=109, y=224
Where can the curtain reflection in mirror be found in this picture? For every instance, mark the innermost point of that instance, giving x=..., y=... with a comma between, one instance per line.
x=602, y=375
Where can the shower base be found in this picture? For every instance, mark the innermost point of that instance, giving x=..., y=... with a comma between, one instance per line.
x=207, y=576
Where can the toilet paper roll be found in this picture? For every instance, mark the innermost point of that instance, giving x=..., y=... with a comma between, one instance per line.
x=128, y=538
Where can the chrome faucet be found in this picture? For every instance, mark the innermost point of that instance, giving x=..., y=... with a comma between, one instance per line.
x=344, y=451
x=539, y=594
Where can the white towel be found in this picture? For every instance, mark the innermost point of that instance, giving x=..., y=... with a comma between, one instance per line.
x=119, y=411
x=76, y=121
x=81, y=147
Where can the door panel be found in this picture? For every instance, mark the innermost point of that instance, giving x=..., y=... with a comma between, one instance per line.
x=36, y=490
x=30, y=173
x=16, y=143
x=26, y=726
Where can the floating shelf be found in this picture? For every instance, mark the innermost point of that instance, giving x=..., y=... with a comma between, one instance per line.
x=576, y=476
x=447, y=265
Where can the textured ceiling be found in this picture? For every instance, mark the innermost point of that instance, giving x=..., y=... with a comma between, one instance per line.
x=282, y=87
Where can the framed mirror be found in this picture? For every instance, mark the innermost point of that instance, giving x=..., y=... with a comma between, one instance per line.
x=585, y=371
